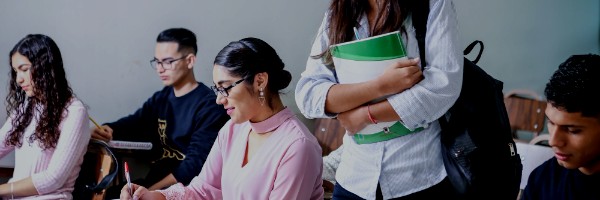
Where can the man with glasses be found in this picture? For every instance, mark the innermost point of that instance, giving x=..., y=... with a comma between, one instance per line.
x=181, y=120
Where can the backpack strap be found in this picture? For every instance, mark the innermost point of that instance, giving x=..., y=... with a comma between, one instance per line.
x=420, y=14
x=104, y=183
x=470, y=48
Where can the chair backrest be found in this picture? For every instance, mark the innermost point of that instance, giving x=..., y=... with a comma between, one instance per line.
x=541, y=139
x=96, y=174
x=525, y=112
x=329, y=133
x=533, y=155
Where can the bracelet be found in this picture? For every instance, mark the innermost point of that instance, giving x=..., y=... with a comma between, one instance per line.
x=12, y=195
x=373, y=120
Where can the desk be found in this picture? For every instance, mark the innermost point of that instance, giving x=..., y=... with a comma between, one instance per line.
x=532, y=156
x=7, y=164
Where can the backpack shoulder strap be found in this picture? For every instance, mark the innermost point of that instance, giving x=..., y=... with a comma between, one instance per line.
x=107, y=180
x=420, y=13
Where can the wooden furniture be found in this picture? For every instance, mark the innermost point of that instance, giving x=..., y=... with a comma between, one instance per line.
x=98, y=170
x=103, y=169
x=526, y=112
x=329, y=133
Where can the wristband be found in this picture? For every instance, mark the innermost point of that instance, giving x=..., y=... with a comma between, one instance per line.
x=373, y=120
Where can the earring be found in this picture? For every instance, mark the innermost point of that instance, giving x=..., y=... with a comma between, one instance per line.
x=261, y=97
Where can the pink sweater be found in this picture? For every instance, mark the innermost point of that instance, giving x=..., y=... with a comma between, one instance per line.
x=52, y=171
x=287, y=166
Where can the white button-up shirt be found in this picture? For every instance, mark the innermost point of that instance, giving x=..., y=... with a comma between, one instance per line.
x=411, y=163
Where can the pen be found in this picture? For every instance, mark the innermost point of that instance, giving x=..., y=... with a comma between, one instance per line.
x=356, y=33
x=128, y=180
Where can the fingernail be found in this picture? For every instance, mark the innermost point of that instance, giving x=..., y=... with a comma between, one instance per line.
x=135, y=197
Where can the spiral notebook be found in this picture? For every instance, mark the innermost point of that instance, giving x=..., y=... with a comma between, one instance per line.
x=119, y=144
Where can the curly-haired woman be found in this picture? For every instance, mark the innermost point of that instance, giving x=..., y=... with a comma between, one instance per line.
x=47, y=126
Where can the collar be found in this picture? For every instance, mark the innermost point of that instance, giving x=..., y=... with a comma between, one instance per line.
x=272, y=122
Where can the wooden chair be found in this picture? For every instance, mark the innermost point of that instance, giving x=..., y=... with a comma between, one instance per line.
x=526, y=112
x=98, y=171
x=329, y=133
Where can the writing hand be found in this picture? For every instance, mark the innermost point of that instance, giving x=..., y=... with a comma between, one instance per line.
x=138, y=192
x=104, y=133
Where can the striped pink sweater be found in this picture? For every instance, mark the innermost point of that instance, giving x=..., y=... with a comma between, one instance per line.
x=53, y=171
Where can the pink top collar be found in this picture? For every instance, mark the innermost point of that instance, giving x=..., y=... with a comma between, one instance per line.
x=272, y=122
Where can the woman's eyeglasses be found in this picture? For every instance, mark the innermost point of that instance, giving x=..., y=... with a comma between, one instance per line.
x=222, y=90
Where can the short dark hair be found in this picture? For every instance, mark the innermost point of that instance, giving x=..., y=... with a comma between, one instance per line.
x=574, y=85
x=185, y=38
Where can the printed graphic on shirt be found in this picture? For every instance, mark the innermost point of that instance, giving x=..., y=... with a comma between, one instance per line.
x=168, y=151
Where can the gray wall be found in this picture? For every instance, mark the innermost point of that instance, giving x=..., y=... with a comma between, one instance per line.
x=107, y=44
x=526, y=40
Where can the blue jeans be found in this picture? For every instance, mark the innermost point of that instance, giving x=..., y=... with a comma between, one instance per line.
x=441, y=190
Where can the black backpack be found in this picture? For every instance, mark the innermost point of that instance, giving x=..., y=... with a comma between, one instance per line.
x=480, y=155
x=86, y=184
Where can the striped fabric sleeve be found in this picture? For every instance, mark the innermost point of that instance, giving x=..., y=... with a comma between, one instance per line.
x=71, y=146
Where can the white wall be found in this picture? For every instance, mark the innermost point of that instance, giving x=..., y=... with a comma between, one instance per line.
x=107, y=44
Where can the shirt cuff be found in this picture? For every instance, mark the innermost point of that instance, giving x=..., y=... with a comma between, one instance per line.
x=176, y=191
x=411, y=117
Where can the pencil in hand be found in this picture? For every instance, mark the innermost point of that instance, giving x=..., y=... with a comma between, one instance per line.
x=97, y=126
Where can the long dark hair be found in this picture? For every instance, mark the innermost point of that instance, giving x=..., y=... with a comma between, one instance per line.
x=249, y=56
x=51, y=92
x=345, y=14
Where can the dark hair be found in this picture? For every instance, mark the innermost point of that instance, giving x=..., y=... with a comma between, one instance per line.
x=185, y=39
x=574, y=85
x=51, y=92
x=249, y=56
x=345, y=14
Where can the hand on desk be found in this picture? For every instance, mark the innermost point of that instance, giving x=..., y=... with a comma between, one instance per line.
x=104, y=134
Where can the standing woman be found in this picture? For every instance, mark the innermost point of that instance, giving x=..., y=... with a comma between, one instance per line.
x=46, y=127
x=264, y=151
x=404, y=167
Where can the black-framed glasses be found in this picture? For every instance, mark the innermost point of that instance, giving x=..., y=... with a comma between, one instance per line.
x=223, y=91
x=165, y=64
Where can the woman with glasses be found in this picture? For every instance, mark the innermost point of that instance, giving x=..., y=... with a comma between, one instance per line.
x=264, y=151
x=47, y=125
